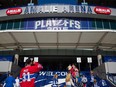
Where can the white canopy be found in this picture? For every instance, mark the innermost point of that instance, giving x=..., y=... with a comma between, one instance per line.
x=80, y=39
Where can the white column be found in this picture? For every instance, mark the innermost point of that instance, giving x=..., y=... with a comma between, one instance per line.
x=99, y=58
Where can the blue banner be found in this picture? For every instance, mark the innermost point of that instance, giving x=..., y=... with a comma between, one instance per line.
x=6, y=58
x=71, y=2
x=45, y=78
x=58, y=24
x=110, y=59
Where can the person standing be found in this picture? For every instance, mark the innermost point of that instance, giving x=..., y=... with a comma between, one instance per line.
x=95, y=83
x=84, y=81
x=17, y=82
x=79, y=83
x=28, y=73
x=55, y=81
x=10, y=81
x=92, y=79
x=69, y=82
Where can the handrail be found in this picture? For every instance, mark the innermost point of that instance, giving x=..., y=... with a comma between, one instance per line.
x=3, y=77
x=111, y=78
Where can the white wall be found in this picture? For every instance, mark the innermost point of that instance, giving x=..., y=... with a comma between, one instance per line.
x=110, y=67
x=5, y=66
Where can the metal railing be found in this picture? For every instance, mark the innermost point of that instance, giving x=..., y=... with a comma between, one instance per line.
x=3, y=77
x=112, y=78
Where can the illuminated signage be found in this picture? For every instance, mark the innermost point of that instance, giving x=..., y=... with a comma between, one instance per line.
x=57, y=24
x=55, y=8
x=14, y=11
x=102, y=10
x=58, y=9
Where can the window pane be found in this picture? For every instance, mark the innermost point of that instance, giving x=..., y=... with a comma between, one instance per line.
x=10, y=25
x=3, y=26
x=22, y=25
x=99, y=24
x=113, y=25
x=0, y=25
x=16, y=24
x=106, y=24
x=94, y=24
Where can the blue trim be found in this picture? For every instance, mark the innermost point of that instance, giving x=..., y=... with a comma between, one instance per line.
x=6, y=58
x=109, y=59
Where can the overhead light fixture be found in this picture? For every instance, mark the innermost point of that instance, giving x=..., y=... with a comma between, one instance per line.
x=84, y=3
x=78, y=59
x=89, y=59
x=30, y=4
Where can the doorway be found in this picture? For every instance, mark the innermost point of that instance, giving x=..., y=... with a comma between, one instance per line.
x=61, y=62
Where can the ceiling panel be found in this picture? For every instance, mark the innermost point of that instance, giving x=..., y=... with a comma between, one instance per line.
x=66, y=47
x=46, y=37
x=110, y=38
x=90, y=37
x=6, y=38
x=114, y=48
x=85, y=47
x=1, y=48
x=68, y=37
x=104, y=47
x=11, y=47
x=30, y=46
x=24, y=37
x=48, y=47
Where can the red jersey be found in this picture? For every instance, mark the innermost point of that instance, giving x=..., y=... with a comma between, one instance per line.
x=74, y=71
x=27, y=75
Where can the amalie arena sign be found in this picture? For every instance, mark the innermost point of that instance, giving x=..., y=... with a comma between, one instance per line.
x=58, y=9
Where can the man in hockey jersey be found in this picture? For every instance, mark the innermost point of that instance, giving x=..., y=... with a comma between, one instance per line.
x=28, y=73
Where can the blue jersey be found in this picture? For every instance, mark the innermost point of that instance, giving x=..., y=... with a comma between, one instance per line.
x=91, y=78
x=55, y=82
x=103, y=83
x=79, y=79
x=9, y=81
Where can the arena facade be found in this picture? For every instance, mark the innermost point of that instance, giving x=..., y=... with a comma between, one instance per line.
x=58, y=33
x=58, y=29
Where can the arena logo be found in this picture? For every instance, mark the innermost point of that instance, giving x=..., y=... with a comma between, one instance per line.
x=14, y=11
x=102, y=10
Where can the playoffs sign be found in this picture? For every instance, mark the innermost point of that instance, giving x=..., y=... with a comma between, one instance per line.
x=57, y=24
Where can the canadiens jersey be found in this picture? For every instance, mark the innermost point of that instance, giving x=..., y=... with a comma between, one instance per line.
x=27, y=75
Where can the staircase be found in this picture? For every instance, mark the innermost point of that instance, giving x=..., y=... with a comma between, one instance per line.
x=15, y=70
